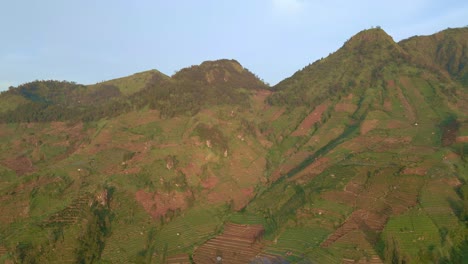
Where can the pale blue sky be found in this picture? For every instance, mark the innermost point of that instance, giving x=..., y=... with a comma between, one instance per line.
x=88, y=41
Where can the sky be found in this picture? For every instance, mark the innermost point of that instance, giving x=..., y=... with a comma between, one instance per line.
x=89, y=41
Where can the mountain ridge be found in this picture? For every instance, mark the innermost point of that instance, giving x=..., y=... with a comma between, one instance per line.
x=357, y=158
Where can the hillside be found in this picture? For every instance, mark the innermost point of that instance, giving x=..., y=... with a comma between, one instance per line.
x=359, y=157
x=187, y=92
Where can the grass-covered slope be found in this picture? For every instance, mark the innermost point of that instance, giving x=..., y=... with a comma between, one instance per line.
x=357, y=158
x=446, y=51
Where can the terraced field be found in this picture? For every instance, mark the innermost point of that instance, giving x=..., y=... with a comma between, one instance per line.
x=237, y=244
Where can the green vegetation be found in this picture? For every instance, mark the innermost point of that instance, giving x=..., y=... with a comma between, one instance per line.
x=359, y=157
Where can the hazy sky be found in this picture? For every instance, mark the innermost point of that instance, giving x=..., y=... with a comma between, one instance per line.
x=88, y=41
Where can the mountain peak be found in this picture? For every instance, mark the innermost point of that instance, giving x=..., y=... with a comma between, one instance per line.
x=370, y=38
x=221, y=72
x=223, y=63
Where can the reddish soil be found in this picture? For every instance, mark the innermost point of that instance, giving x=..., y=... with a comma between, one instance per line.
x=210, y=182
x=451, y=156
x=192, y=169
x=248, y=191
x=239, y=244
x=226, y=192
x=387, y=105
x=462, y=139
x=368, y=125
x=314, y=169
x=310, y=120
x=21, y=165
x=158, y=204
x=260, y=96
x=3, y=250
x=178, y=259
x=277, y=114
x=453, y=181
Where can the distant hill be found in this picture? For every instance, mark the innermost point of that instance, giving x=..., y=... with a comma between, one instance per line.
x=213, y=82
x=131, y=84
x=446, y=51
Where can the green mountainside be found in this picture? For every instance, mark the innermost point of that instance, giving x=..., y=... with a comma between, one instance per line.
x=359, y=157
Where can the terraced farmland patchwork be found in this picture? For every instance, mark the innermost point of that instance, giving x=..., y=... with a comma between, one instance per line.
x=238, y=244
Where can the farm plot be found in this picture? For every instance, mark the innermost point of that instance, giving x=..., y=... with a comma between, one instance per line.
x=237, y=244
x=192, y=228
x=413, y=232
x=293, y=242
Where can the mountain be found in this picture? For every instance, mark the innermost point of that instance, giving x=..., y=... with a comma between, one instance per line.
x=446, y=51
x=188, y=91
x=359, y=157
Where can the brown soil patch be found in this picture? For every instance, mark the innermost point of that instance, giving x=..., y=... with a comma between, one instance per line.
x=453, y=182
x=345, y=107
x=387, y=105
x=178, y=259
x=229, y=192
x=462, y=139
x=277, y=114
x=192, y=169
x=314, y=169
x=415, y=171
x=368, y=125
x=21, y=165
x=210, y=182
x=451, y=156
x=260, y=97
x=158, y=204
x=239, y=244
x=310, y=120
x=248, y=191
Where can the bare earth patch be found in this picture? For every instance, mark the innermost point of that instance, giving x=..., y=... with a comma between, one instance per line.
x=21, y=165
x=462, y=139
x=260, y=96
x=314, y=169
x=368, y=125
x=277, y=114
x=210, y=182
x=310, y=120
x=158, y=204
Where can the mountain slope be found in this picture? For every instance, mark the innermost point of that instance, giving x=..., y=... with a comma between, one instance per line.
x=357, y=158
x=446, y=50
